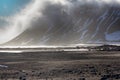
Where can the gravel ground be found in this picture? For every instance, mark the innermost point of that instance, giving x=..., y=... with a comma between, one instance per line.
x=60, y=66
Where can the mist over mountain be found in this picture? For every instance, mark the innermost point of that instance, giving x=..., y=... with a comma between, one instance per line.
x=63, y=22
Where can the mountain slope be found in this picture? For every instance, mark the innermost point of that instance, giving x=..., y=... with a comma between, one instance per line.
x=73, y=23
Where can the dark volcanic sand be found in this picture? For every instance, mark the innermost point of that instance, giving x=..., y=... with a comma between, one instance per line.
x=60, y=66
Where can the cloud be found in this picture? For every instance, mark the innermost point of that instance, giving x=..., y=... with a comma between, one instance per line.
x=20, y=22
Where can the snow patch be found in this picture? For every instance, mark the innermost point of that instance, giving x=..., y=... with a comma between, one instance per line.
x=115, y=36
x=3, y=66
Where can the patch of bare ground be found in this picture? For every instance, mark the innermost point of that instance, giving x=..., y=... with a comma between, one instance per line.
x=61, y=66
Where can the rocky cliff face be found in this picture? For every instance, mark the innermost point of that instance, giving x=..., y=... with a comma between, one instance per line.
x=73, y=23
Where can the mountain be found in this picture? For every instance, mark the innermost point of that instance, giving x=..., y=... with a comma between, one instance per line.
x=73, y=24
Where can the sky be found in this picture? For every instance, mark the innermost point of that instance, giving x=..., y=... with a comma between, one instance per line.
x=59, y=22
x=10, y=7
